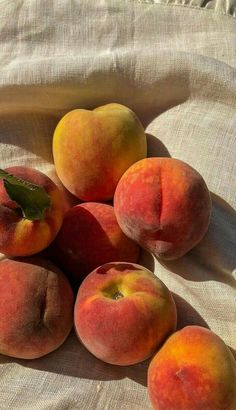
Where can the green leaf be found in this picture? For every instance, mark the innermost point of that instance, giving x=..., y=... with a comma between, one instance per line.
x=32, y=199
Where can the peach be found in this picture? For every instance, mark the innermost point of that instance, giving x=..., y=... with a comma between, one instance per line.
x=123, y=313
x=20, y=236
x=164, y=205
x=194, y=370
x=89, y=237
x=92, y=149
x=36, y=307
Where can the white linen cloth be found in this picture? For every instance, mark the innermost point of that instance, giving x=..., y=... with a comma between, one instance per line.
x=174, y=64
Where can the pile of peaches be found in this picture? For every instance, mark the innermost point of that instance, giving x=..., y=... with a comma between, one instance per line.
x=78, y=266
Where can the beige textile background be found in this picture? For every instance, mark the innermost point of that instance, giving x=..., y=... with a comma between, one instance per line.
x=175, y=65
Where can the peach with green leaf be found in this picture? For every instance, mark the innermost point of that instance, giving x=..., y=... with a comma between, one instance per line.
x=31, y=211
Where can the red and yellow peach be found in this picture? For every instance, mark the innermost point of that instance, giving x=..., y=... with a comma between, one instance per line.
x=20, y=236
x=164, y=205
x=92, y=149
x=123, y=313
x=194, y=369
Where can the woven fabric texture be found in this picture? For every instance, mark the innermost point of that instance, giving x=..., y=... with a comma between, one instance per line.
x=174, y=64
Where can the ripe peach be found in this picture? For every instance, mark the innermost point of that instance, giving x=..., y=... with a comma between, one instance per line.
x=89, y=237
x=123, y=312
x=194, y=370
x=36, y=307
x=164, y=205
x=20, y=236
x=92, y=149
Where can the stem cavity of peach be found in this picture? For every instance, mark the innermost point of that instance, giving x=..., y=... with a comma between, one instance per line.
x=113, y=292
x=117, y=295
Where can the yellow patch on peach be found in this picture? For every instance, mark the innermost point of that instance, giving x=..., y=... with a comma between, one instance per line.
x=37, y=237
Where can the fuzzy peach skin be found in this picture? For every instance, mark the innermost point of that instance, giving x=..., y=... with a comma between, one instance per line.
x=36, y=307
x=164, y=205
x=20, y=236
x=89, y=237
x=194, y=370
x=92, y=149
x=123, y=312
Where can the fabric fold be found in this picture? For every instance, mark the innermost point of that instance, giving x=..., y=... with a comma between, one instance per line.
x=227, y=7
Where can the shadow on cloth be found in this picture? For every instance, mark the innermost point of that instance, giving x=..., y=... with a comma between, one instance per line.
x=146, y=259
x=214, y=258
x=233, y=351
x=156, y=148
x=31, y=131
x=186, y=314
